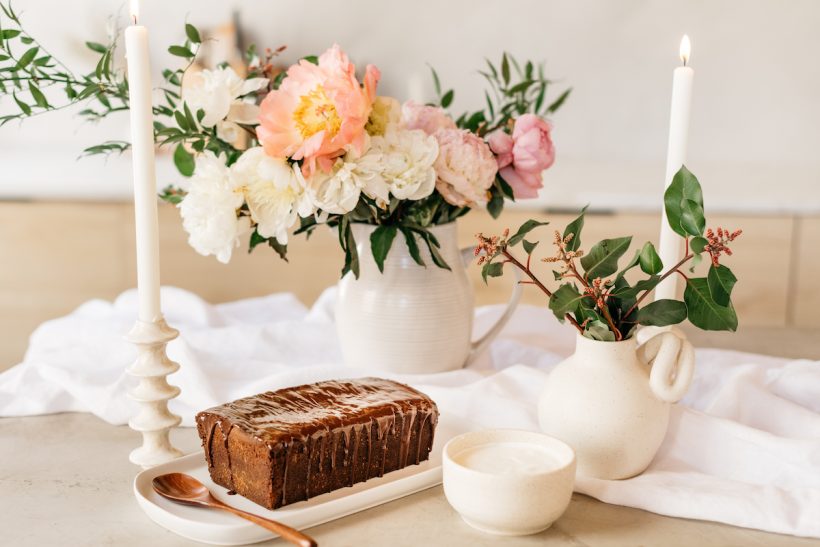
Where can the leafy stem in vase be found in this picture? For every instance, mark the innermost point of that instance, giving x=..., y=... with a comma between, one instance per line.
x=595, y=295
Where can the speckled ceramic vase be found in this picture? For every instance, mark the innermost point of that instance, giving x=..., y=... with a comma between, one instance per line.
x=610, y=400
x=411, y=318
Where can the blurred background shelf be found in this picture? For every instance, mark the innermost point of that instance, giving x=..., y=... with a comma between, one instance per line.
x=57, y=255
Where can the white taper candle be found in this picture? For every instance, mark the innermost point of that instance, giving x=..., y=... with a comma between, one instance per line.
x=670, y=245
x=145, y=185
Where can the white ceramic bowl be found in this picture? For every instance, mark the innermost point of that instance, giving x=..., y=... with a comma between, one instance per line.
x=508, y=482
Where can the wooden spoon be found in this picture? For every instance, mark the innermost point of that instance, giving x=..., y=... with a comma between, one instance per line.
x=186, y=489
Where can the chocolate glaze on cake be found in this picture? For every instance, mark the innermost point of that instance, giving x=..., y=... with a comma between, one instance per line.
x=289, y=445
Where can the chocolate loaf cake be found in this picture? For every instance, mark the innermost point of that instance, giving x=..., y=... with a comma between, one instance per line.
x=285, y=446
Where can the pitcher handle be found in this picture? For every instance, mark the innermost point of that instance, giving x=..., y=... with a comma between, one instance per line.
x=672, y=358
x=477, y=347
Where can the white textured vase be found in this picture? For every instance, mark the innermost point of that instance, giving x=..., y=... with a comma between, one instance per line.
x=610, y=400
x=410, y=318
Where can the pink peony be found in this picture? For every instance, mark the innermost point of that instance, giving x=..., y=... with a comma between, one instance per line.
x=465, y=167
x=427, y=118
x=318, y=111
x=524, y=156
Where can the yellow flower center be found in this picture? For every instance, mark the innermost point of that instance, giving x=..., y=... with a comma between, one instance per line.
x=316, y=112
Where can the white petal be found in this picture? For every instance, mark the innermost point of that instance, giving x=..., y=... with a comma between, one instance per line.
x=253, y=84
x=244, y=113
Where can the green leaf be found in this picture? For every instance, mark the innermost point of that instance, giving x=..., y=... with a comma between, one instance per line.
x=557, y=103
x=598, y=330
x=625, y=291
x=636, y=259
x=684, y=186
x=661, y=313
x=182, y=121
x=9, y=34
x=184, y=161
x=529, y=247
x=602, y=259
x=703, y=311
x=697, y=244
x=412, y=245
x=37, y=95
x=565, y=300
x=181, y=51
x=380, y=241
x=520, y=87
x=539, y=100
x=433, y=246
x=490, y=108
x=349, y=245
x=174, y=196
x=692, y=220
x=23, y=106
x=575, y=228
x=525, y=228
x=312, y=59
x=505, y=188
x=492, y=269
x=505, y=69
x=273, y=243
x=94, y=46
x=721, y=281
x=192, y=33
x=436, y=81
x=447, y=99
x=189, y=117
x=649, y=259
x=26, y=58
x=496, y=204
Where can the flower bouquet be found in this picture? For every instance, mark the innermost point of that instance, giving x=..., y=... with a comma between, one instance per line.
x=611, y=399
x=273, y=152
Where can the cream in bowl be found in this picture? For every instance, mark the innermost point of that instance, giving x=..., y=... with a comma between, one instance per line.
x=508, y=482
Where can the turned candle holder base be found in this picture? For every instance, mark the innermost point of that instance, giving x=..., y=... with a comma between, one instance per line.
x=153, y=392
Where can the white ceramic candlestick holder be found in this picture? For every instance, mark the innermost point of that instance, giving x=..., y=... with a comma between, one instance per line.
x=153, y=392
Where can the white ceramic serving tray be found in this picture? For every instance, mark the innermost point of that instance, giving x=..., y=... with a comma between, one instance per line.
x=222, y=528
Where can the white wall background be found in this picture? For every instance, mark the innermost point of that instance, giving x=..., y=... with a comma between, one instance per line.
x=754, y=134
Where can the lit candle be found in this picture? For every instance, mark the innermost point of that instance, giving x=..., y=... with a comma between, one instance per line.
x=669, y=248
x=145, y=185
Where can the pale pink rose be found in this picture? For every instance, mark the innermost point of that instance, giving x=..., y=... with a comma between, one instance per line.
x=465, y=167
x=523, y=157
x=427, y=118
x=318, y=111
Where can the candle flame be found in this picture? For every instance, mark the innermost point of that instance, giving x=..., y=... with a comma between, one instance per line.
x=685, y=49
x=135, y=10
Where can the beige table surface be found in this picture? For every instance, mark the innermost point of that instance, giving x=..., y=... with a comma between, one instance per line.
x=65, y=480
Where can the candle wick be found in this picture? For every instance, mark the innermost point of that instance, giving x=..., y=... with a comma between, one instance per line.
x=134, y=17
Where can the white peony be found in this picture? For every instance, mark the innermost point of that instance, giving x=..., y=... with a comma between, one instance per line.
x=209, y=209
x=338, y=191
x=408, y=157
x=274, y=192
x=217, y=93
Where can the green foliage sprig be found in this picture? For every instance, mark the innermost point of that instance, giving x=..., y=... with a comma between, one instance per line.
x=594, y=294
x=28, y=71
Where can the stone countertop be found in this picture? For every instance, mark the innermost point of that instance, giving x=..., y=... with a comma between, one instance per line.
x=66, y=480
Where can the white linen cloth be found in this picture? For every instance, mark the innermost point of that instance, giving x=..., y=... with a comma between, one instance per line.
x=743, y=447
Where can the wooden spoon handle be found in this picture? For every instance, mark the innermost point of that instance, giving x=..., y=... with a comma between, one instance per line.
x=291, y=534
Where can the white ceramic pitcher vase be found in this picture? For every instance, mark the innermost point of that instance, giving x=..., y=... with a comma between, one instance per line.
x=610, y=400
x=411, y=318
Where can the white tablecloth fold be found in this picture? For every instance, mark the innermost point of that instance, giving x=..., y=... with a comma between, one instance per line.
x=743, y=448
